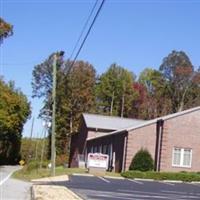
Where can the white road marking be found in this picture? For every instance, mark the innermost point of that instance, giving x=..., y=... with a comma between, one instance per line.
x=138, y=182
x=103, y=179
x=6, y=178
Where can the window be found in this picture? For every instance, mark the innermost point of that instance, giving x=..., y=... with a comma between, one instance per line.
x=95, y=149
x=104, y=149
x=182, y=157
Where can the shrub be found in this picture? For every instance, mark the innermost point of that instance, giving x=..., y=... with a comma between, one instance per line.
x=61, y=159
x=183, y=176
x=34, y=164
x=142, y=161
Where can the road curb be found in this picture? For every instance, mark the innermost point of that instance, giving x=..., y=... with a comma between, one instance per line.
x=166, y=181
x=32, y=193
x=77, y=174
x=140, y=179
x=114, y=177
x=172, y=181
x=195, y=182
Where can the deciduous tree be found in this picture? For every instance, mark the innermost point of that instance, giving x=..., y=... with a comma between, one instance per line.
x=180, y=76
x=114, y=91
x=6, y=29
x=14, y=111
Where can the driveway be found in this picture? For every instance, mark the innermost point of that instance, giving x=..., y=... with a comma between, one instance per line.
x=93, y=188
x=12, y=189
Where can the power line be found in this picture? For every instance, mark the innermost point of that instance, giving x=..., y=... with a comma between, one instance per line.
x=83, y=29
x=80, y=36
x=86, y=36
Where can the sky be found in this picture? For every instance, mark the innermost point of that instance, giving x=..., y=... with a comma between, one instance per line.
x=132, y=33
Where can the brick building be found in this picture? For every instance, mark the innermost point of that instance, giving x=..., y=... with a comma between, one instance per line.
x=172, y=140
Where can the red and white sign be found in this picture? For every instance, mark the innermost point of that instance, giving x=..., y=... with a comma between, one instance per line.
x=97, y=160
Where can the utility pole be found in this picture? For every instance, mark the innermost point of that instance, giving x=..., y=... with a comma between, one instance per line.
x=53, y=151
x=30, y=148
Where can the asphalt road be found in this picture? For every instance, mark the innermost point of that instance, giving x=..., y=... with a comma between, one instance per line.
x=93, y=188
x=12, y=189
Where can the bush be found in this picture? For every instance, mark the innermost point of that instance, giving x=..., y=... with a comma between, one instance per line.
x=61, y=159
x=34, y=164
x=183, y=176
x=142, y=161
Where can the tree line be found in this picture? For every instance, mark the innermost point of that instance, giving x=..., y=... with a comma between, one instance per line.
x=14, y=111
x=175, y=86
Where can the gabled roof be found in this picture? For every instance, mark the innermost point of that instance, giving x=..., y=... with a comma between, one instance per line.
x=109, y=122
x=146, y=123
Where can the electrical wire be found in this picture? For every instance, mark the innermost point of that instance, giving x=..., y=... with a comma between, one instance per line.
x=83, y=29
x=86, y=36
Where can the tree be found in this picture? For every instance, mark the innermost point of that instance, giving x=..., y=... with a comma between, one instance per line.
x=14, y=111
x=179, y=75
x=138, y=111
x=75, y=94
x=6, y=29
x=114, y=91
x=155, y=102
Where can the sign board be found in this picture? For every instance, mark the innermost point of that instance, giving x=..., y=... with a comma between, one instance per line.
x=97, y=160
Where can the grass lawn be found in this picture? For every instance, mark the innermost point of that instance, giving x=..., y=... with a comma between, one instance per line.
x=27, y=175
x=113, y=174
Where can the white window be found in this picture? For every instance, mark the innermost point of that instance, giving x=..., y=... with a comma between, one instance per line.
x=182, y=157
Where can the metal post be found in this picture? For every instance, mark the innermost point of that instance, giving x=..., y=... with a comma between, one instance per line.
x=53, y=152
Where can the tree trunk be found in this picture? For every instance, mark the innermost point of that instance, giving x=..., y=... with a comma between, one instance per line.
x=122, y=106
x=71, y=123
x=181, y=107
x=112, y=102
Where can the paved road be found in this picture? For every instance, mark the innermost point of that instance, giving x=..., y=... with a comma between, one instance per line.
x=12, y=189
x=93, y=188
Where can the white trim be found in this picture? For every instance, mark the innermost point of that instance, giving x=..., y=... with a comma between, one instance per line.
x=181, y=157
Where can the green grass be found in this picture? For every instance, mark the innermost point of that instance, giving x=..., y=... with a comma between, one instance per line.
x=28, y=175
x=113, y=174
x=180, y=176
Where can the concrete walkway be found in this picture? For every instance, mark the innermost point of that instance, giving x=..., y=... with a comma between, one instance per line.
x=49, y=189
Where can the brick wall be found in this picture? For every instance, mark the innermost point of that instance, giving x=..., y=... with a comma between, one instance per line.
x=78, y=145
x=184, y=132
x=144, y=137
